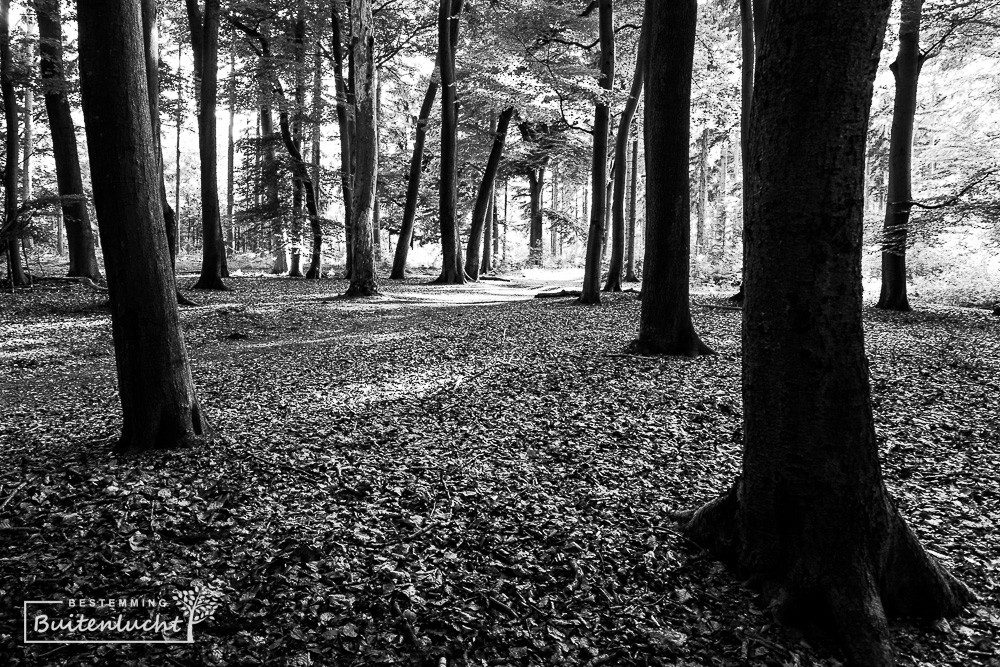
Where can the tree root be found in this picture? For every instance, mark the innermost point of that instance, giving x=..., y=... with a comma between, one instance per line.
x=688, y=346
x=710, y=305
x=559, y=294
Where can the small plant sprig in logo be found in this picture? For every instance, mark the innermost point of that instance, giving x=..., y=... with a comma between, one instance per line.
x=200, y=603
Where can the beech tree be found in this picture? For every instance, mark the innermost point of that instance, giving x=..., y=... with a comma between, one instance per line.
x=484, y=197
x=364, y=281
x=452, y=267
x=205, y=43
x=614, y=283
x=665, y=325
x=810, y=519
x=76, y=216
x=159, y=405
x=10, y=229
x=591, y=292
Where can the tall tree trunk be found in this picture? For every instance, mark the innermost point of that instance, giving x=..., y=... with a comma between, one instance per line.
x=174, y=238
x=810, y=518
x=413, y=177
x=723, y=189
x=299, y=93
x=906, y=70
x=10, y=232
x=630, y=257
x=269, y=169
x=205, y=43
x=489, y=228
x=485, y=195
x=614, y=283
x=536, y=187
x=665, y=325
x=317, y=125
x=151, y=46
x=75, y=215
x=159, y=405
x=452, y=270
x=377, y=211
x=27, y=186
x=231, y=152
x=702, y=194
x=591, y=292
x=364, y=281
x=554, y=205
x=343, y=124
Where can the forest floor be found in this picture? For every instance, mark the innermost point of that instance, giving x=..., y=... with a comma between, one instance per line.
x=453, y=476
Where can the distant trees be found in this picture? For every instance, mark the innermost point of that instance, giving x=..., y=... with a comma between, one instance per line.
x=159, y=405
x=810, y=519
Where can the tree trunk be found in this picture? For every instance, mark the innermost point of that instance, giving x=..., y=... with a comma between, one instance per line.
x=452, y=270
x=76, y=217
x=298, y=187
x=723, y=189
x=810, y=519
x=630, y=258
x=205, y=43
x=485, y=195
x=614, y=283
x=906, y=70
x=702, y=194
x=231, y=152
x=159, y=406
x=591, y=292
x=343, y=124
x=269, y=169
x=364, y=281
x=173, y=236
x=665, y=325
x=11, y=234
x=27, y=186
x=536, y=186
x=317, y=126
x=489, y=228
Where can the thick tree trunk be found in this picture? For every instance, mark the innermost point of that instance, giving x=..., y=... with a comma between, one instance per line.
x=269, y=174
x=489, y=231
x=27, y=184
x=665, y=325
x=630, y=257
x=11, y=234
x=591, y=292
x=364, y=281
x=317, y=126
x=205, y=43
x=810, y=519
x=536, y=187
x=231, y=153
x=906, y=69
x=485, y=195
x=614, y=283
x=298, y=187
x=452, y=270
x=76, y=217
x=173, y=236
x=343, y=124
x=159, y=406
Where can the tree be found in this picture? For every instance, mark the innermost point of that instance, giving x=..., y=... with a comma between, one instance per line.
x=614, y=283
x=665, y=325
x=364, y=281
x=10, y=230
x=633, y=196
x=473, y=255
x=906, y=70
x=452, y=269
x=591, y=292
x=205, y=43
x=809, y=519
x=159, y=405
x=76, y=217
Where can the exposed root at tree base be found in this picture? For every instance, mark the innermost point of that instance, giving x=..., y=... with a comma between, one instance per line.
x=682, y=348
x=560, y=293
x=849, y=594
x=165, y=429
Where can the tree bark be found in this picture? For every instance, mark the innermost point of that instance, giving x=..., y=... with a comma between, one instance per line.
x=630, y=257
x=205, y=43
x=299, y=94
x=473, y=255
x=810, y=519
x=231, y=152
x=269, y=169
x=614, y=283
x=702, y=194
x=76, y=217
x=11, y=234
x=343, y=124
x=591, y=293
x=665, y=325
x=452, y=269
x=159, y=405
x=536, y=187
x=906, y=70
x=364, y=281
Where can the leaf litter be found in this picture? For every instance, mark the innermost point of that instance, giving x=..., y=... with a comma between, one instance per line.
x=459, y=476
